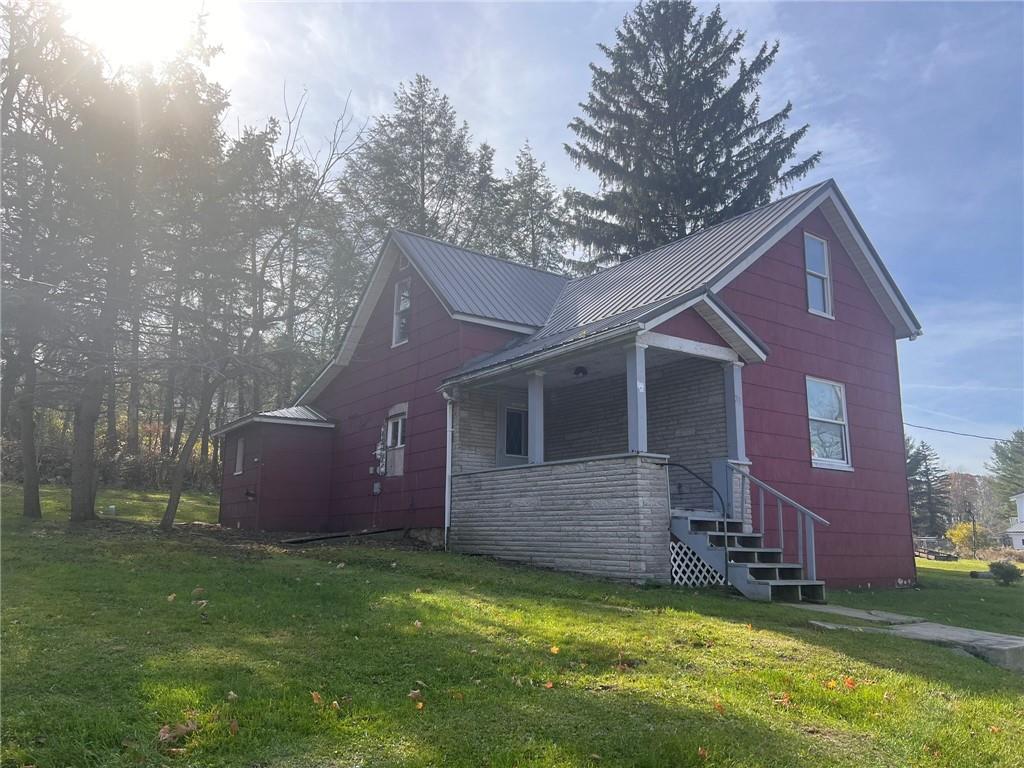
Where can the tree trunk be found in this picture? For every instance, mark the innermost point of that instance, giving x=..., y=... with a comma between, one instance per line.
x=30, y=466
x=134, y=388
x=181, y=467
x=110, y=441
x=11, y=374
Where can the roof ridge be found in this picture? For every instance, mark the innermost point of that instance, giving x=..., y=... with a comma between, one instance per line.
x=711, y=228
x=480, y=253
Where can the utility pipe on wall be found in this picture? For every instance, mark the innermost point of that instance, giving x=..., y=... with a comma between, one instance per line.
x=449, y=432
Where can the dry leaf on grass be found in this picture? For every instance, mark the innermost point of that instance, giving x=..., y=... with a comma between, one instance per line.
x=170, y=733
x=549, y=684
x=702, y=753
x=317, y=698
x=416, y=695
x=233, y=727
x=232, y=696
x=171, y=597
x=555, y=649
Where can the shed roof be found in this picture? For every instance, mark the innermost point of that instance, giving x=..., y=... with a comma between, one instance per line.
x=298, y=415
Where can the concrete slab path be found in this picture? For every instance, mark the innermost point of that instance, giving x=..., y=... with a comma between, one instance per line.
x=1006, y=651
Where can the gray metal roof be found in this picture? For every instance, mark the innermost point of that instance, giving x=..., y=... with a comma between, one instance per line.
x=472, y=283
x=295, y=412
x=672, y=269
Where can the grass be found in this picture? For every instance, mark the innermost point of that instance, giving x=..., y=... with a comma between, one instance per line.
x=145, y=506
x=946, y=593
x=97, y=658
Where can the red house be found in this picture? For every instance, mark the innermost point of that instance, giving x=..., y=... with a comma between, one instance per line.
x=725, y=408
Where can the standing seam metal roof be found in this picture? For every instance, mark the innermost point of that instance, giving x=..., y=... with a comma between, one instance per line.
x=670, y=270
x=483, y=286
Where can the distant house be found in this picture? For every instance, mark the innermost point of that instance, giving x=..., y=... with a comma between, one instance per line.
x=604, y=424
x=1014, y=535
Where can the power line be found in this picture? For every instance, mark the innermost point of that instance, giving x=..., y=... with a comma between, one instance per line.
x=951, y=432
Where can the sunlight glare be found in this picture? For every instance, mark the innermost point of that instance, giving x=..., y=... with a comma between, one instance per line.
x=133, y=33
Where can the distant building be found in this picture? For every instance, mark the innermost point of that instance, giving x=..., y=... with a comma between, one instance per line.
x=1014, y=535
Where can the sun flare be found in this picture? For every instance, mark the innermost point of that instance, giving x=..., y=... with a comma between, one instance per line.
x=133, y=33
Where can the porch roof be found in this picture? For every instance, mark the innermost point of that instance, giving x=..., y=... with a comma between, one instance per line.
x=733, y=331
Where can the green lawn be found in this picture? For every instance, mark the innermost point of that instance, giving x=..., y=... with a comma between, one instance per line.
x=130, y=505
x=97, y=658
x=946, y=593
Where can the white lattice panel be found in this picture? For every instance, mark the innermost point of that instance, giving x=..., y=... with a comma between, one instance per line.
x=689, y=570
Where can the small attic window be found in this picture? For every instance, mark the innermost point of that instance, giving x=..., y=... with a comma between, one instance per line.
x=403, y=306
x=819, y=276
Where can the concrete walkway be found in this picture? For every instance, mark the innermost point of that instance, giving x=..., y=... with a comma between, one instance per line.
x=1006, y=651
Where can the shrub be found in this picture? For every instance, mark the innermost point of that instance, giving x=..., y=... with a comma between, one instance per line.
x=1005, y=572
x=962, y=536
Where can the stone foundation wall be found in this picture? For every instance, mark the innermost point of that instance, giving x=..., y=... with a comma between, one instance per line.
x=605, y=516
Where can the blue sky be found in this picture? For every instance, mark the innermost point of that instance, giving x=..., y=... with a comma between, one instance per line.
x=917, y=108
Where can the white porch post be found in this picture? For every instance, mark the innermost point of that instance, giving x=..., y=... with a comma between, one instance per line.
x=535, y=416
x=636, y=397
x=735, y=433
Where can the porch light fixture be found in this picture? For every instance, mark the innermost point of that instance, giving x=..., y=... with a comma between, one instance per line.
x=580, y=371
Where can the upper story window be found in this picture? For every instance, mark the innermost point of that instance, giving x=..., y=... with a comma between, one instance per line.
x=819, y=276
x=830, y=431
x=239, y=455
x=396, y=431
x=403, y=305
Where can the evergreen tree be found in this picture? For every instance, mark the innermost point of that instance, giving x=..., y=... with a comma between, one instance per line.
x=929, y=487
x=672, y=128
x=418, y=170
x=1007, y=468
x=535, y=224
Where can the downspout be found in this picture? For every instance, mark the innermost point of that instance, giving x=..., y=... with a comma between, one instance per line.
x=449, y=433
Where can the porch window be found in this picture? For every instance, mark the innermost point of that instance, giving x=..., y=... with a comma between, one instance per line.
x=516, y=432
x=239, y=455
x=830, y=435
x=403, y=305
x=819, y=276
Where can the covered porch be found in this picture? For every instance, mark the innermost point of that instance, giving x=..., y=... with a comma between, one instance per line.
x=579, y=460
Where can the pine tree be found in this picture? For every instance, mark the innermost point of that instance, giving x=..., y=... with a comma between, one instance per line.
x=418, y=170
x=672, y=128
x=929, y=487
x=535, y=225
x=1007, y=468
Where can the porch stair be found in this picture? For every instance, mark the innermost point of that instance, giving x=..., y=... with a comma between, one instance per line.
x=756, y=571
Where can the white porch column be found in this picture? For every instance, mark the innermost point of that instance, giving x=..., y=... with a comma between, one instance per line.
x=535, y=416
x=735, y=433
x=636, y=397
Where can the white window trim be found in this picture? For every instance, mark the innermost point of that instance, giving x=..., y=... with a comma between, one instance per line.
x=406, y=281
x=827, y=277
x=403, y=422
x=818, y=463
x=526, y=426
x=239, y=455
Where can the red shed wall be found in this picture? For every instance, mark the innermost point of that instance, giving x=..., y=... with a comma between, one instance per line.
x=295, y=483
x=379, y=377
x=869, y=539
x=236, y=509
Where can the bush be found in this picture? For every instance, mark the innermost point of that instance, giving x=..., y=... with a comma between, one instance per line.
x=962, y=536
x=1005, y=573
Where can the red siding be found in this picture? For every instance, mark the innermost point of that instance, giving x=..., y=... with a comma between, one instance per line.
x=869, y=539
x=380, y=377
x=237, y=510
x=690, y=325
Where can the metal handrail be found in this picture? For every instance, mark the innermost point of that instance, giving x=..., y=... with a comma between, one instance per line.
x=781, y=496
x=802, y=531
x=722, y=504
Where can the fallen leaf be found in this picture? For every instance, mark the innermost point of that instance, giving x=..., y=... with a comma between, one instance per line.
x=175, y=751
x=831, y=684
x=719, y=708
x=232, y=696
x=233, y=727
x=171, y=597
x=850, y=683
x=340, y=565
x=458, y=695
x=394, y=565
x=317, y=698
x=549, y=684
x=702, y=753
x=417, y=623
x=555, y=649
x=420, y=705
x=174, y=732
x=750, y=626
x=335, y=705
x=198, y=593
x=994, y=729
x=201, y=603
x=416, y=695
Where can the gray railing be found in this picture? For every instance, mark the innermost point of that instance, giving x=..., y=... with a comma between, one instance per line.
x=805, y=519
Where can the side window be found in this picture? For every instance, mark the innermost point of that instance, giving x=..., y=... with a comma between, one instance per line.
x=829, y=427
x=516, y=437
x=395, y=443
x=819, y=276
x=403, y=305
x=239, y=455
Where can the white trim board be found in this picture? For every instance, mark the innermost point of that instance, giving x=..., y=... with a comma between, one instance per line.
x=687, y=346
